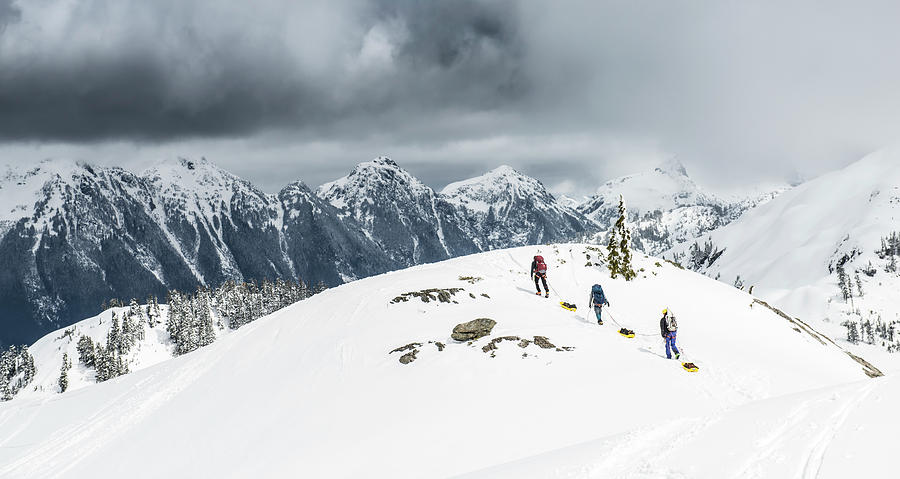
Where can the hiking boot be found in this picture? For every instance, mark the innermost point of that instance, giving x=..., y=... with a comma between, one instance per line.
x=677, y=355
x=538, y=293
x=546, y=295
x=600, y=322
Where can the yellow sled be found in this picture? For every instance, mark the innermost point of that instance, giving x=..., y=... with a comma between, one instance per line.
x=626, y=332
x=569, y=306
x=690, y=367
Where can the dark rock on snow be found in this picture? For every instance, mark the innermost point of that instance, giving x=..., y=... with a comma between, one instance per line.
x=477, y=328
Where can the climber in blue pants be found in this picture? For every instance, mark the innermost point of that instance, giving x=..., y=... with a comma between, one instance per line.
x=668, y=328
x=597, y=300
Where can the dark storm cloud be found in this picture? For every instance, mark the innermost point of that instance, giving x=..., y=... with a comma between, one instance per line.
x=167, y=71
x=9, y=13
x=739, y=91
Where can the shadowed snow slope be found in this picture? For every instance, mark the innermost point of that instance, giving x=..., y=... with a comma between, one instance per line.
x=314, y=390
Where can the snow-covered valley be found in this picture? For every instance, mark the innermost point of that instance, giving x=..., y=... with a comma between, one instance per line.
x=318, y=389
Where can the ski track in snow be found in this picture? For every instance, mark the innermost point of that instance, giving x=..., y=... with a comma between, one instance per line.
x=817, y=455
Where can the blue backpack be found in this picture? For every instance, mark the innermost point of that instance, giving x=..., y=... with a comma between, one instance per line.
x=597, y=295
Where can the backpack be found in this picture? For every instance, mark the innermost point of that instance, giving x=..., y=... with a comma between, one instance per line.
x=671, y=324
x=597, y=294
x=539, y=265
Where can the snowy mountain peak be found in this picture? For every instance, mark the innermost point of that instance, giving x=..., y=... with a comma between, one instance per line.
x=504, y=171
x=503, y=181
x=381, y=164
x=202, y=187
x=666, y=206
x=385, y=161
x=191, y=174
x=368, y=177
x=672, y=167
x=508, y=207
x=403, y=215
x=662, y=188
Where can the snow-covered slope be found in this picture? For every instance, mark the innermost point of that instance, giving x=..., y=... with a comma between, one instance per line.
x=666, y=207
x=789, y=249
x=505, y=208
x=318, y=390
x=835, y=432
x=153, y=348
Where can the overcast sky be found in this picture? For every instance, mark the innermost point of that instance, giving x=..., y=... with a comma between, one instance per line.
x=572, y=92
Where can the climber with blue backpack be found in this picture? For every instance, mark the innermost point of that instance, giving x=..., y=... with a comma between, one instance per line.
x=598, y=300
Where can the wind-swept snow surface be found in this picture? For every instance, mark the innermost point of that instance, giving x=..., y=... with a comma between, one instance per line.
x=315, y=391
x=835, y=432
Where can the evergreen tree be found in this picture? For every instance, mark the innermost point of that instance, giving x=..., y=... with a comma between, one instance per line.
x=114, y=336
x=624, y=234
x=205, y=332
x=134, y=310
x=859, y=286
x=16, y=371
x=843, y=281
x=852, y=331
x=101, y=363
x=153, y=313
x=85, y=348
x=868, y=334
x=64, y=373
x=612, y=255
x=129, y=333
x=618, y=248
x=320, y=286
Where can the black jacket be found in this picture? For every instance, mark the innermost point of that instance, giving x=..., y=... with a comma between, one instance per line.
x=663, y=327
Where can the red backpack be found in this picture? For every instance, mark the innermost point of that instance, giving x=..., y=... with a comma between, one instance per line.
x=540, y=266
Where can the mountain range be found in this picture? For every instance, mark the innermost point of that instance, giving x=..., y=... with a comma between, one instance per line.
x=74, y=235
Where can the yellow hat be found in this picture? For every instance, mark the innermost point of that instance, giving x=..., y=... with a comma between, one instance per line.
x=665, y=310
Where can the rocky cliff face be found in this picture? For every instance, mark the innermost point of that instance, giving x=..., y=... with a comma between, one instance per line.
x=407, y=219
x=505, y=208
x=414, y=224
x=75, y=235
